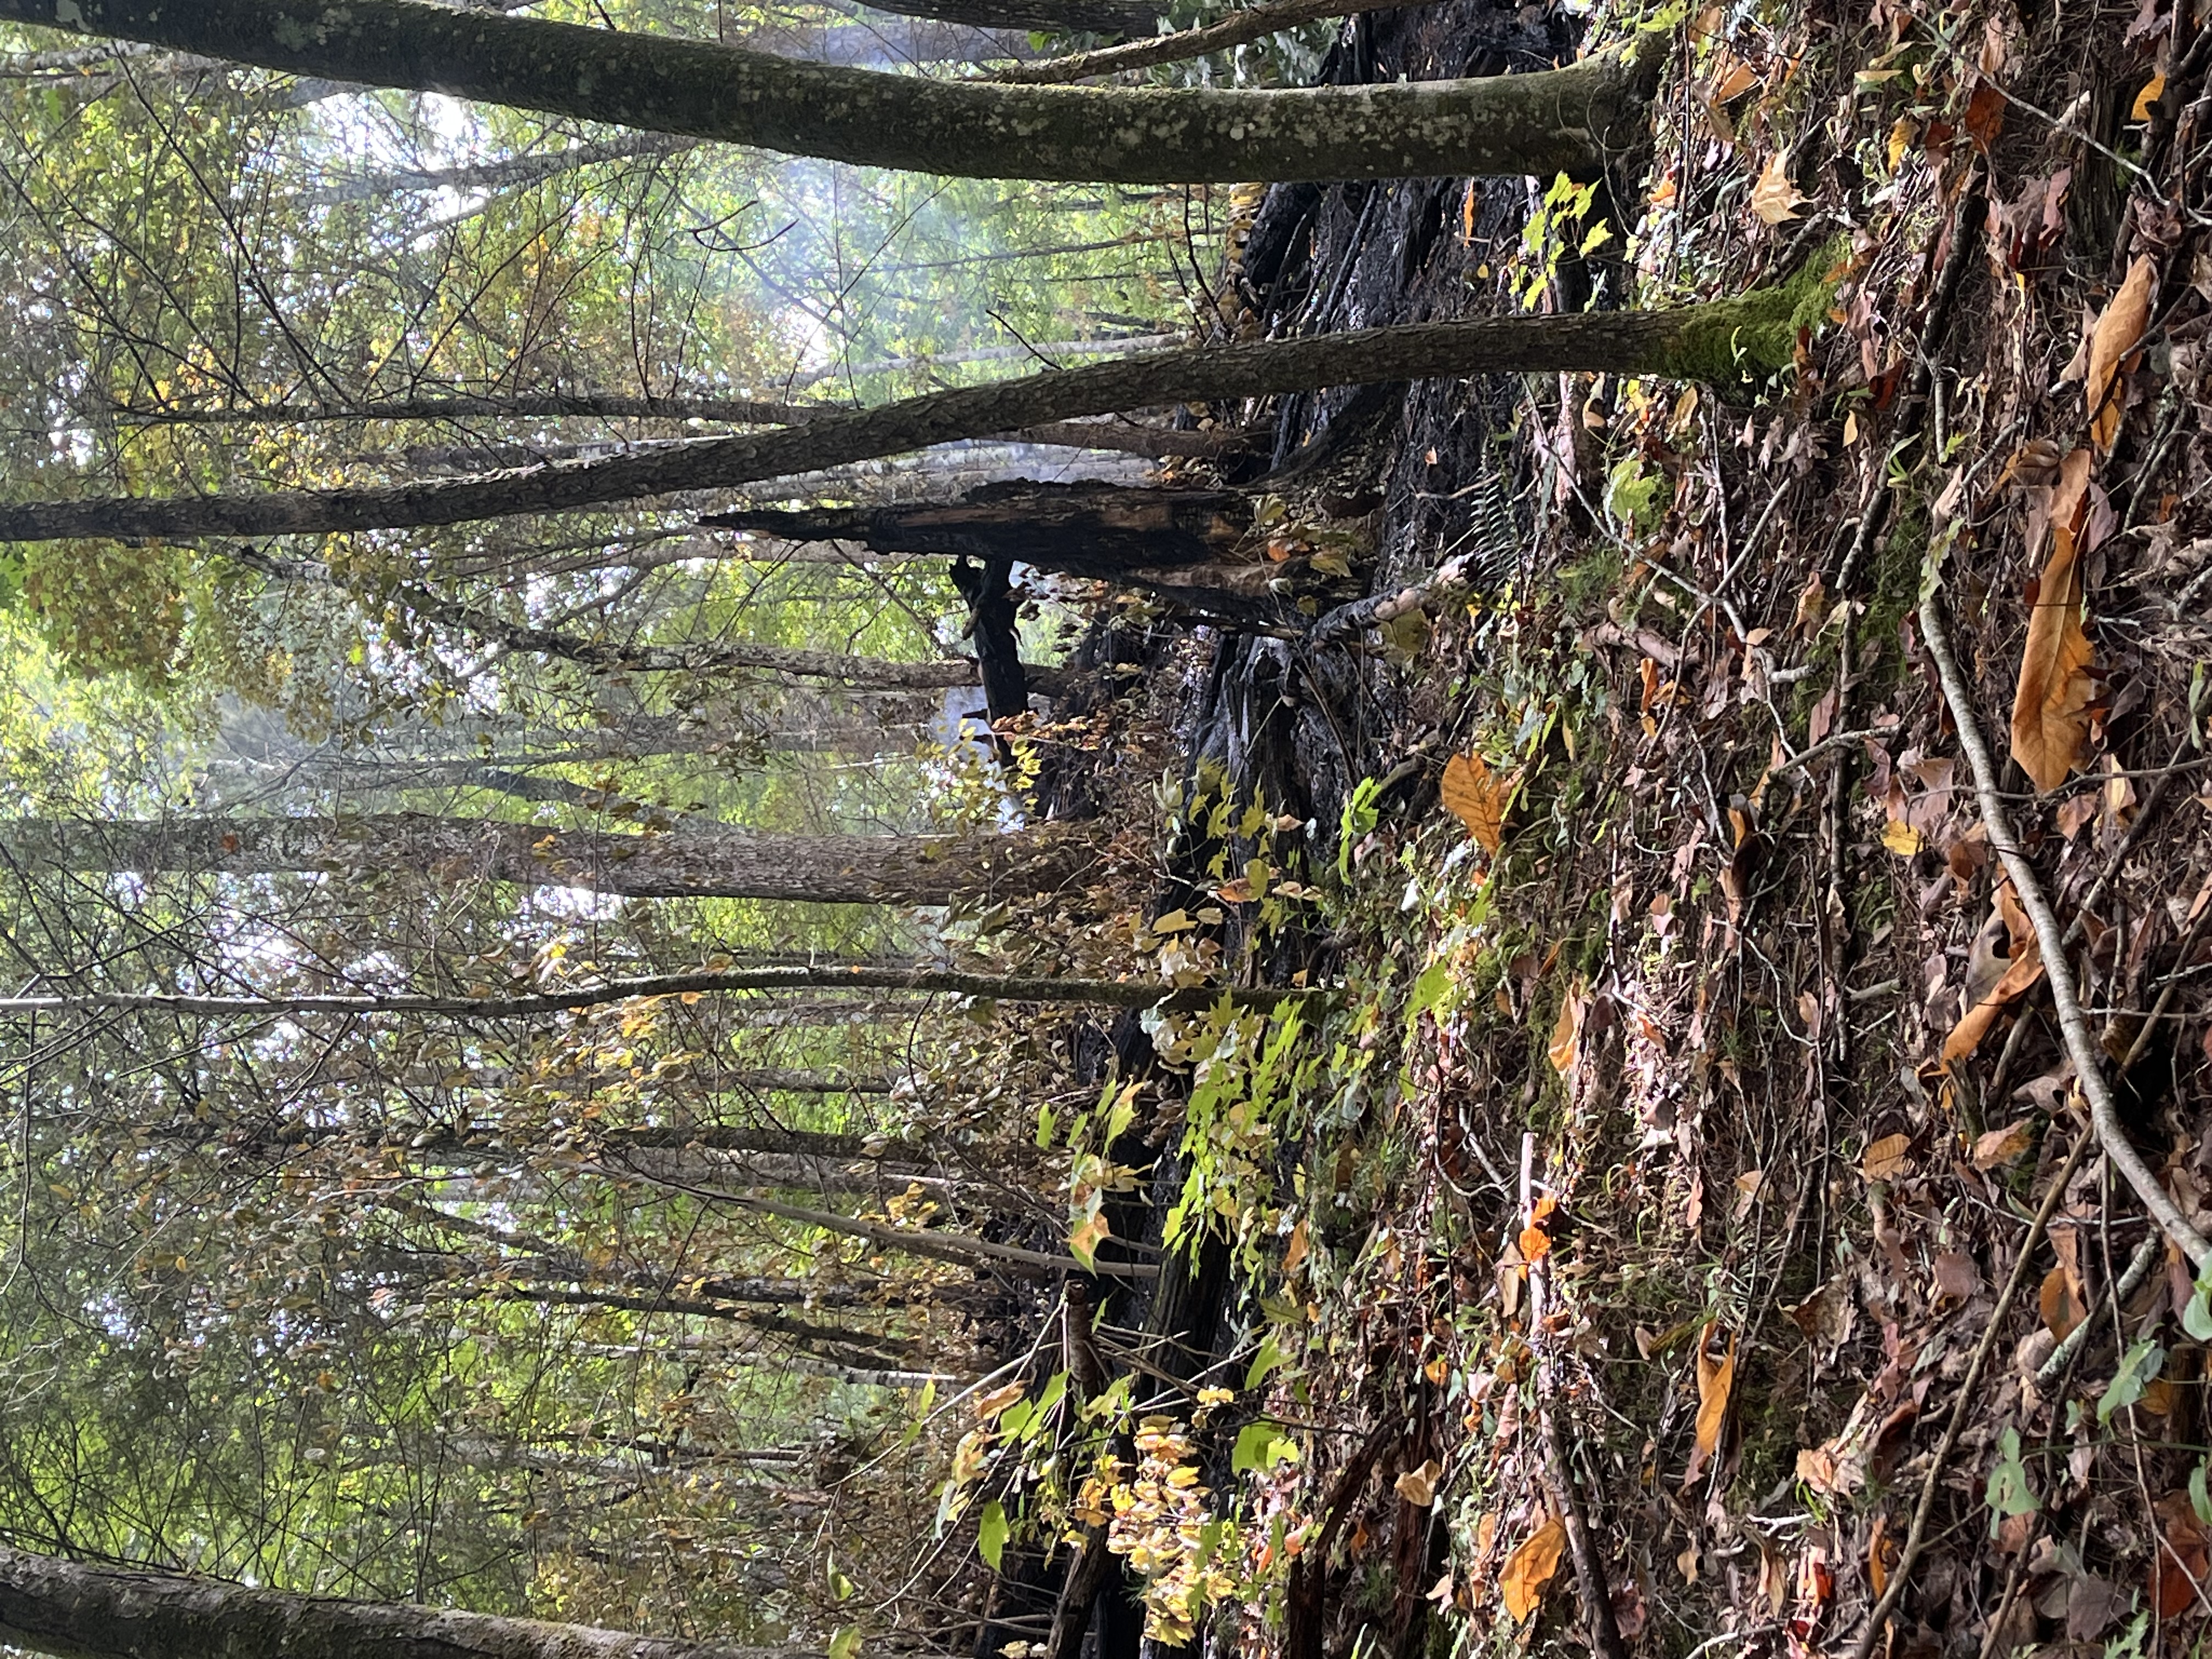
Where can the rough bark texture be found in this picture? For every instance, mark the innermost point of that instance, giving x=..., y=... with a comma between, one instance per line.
x=76, y=1611
x=1123, y=437
x=820, y=869
x=1093, y=529
x=1559, y=121
x=1718, y=341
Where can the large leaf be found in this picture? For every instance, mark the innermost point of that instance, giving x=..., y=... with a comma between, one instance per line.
x=2117, y=334
x=1715, y=1379
x=1530, y=1567
x=2050, y=710
x=1473, y=795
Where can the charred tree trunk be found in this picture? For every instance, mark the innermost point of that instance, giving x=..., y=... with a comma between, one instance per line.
x=1174, y=543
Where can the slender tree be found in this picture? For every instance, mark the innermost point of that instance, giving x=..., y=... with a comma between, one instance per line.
x=921, y=870
x=1720, y=340
x=1559, y=121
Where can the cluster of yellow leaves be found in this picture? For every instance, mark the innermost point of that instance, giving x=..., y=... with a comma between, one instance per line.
x=1159, y=1522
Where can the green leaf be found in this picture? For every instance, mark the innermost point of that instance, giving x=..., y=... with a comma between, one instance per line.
x=845, y=1644
x=992, y=1533
x=2199, y=1500
x=1271, y=1357
x=1259, y=1447
x=2009, y=1492
x=2196, y=1313
x=1595, y=237
x=2137, y=1371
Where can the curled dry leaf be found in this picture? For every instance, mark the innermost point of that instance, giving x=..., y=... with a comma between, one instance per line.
x=1990, y=995
x=1473, y=794
x=1419, y=1487
x=1532, y=1567
x=1774, y=198
x=2117, y=333
x=2050, y=710
x=1716, y=1379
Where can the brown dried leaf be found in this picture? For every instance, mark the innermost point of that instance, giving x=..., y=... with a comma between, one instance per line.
x=1886, y=1159
x=2060, y=1306
x=1716, y=1379
x=1773, y=197
x=1473, y=795
x=1531, y=1567
x=1566, y=1036
x=2050, y=710
x=2002, y=1146
x=2021, y=970
x=1419, y=1487
x=2117, y=332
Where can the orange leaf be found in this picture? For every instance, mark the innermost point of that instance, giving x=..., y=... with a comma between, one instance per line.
x=1885, y=1159
x=2117, y=333
x=1531, y=1567
x=2049, y=709
x=1567, y=1035
x=2061, y=1308
x=2023, y=970
x=1474, y=797
x=1716, y=1378
x=2146, y=101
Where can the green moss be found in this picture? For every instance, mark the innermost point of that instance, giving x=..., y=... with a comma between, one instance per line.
x=1755, y=334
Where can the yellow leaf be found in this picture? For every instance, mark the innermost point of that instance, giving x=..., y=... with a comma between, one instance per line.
x=1885, y=1159
x=2117, y=333
x=1531, y=1567
x=1901, y=838
x=1473, y=795
x=1083, y=1239
x=1419, y=1487
x=1774, y=198
x=1716, y=1379
x=2049, y=709
x=2154, y=90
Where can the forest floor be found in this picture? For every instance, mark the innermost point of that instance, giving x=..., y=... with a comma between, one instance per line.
x=1675, y=1180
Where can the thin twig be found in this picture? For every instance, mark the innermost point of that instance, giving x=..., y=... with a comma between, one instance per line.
x=1238, y=29
x=2072, y=1024
x=1968, y=1394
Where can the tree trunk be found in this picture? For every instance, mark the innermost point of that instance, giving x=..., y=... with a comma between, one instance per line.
x=77, y=1611
x=1722, y=341
x=1566, y=120
x=920, y=870
x=1099, y=531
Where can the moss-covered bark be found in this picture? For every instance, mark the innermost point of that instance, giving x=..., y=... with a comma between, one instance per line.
x=78, y=1612
x=1724, y=340
x=1562, y=120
